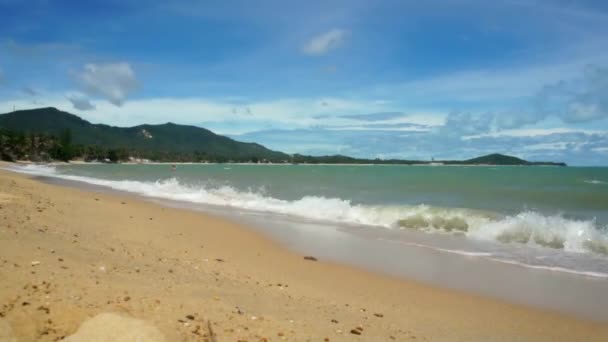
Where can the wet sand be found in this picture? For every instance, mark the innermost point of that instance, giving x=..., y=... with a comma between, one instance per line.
x=69, y=254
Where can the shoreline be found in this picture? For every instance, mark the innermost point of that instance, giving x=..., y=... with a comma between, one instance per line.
x=444, y=261
x=81, y=162
x=167, y=261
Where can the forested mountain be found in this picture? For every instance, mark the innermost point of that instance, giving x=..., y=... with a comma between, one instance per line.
x=169, y=142
x=50, y=134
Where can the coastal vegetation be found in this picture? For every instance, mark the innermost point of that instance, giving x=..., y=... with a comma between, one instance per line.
x=48, y=134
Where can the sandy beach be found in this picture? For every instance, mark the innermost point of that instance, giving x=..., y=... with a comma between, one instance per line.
x=68, y=255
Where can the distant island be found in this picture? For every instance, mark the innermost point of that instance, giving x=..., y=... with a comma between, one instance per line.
x=48, y=134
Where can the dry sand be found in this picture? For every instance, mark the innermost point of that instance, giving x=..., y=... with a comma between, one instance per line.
x=68, y=255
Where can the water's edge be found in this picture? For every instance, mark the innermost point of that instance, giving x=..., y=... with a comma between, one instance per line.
x=409, y=257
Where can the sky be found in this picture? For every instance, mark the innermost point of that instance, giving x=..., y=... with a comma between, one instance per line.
x=447, y=79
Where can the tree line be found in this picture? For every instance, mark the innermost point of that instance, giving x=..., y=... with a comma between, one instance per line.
x=39, y=147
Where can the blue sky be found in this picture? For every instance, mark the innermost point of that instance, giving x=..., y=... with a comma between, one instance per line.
x=388, y=79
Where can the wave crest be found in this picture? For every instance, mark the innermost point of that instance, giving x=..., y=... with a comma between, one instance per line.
x=529, y=227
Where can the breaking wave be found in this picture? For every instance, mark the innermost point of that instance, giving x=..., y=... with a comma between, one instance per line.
x=528, y=227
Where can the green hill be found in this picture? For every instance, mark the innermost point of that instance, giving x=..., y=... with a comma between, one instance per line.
x=149, y=141
x=495, y=159
x=501, y=159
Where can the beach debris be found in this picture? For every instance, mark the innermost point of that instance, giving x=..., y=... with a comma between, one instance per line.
x=379, y=315
x=212, y=335
x=25, y=303
x=102, y=268
x=335, y=321
x=355, y=332
x=35, y=263
x=190, y=317
x=253, y=318
x=219, y=260
x=239, y=311
x=311, y=258
x=44, y=308
x=126, y=298
x=197, y=330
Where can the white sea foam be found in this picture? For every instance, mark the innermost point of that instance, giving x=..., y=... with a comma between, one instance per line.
x=439, y=249
x=595, y=181
x=529, y=227
x=552, y=268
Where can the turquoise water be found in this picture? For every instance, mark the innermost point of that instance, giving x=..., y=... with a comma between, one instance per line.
x=557, y=216
x=574, y=192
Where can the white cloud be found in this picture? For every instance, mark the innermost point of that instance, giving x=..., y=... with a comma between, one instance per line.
x=581, y=99
x=601, y=149
x=113, y=81
x=80, y=101
x=383, y=128
x=533, y=132
x=559, y=146
x=323, y=43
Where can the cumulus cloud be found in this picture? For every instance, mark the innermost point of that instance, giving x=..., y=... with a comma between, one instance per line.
x=80, y=101
x=463, y=123
x=578, y=100
x=323, y=43
x=113, y=81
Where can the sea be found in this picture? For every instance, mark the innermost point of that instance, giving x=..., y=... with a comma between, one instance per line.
x=535, y=218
